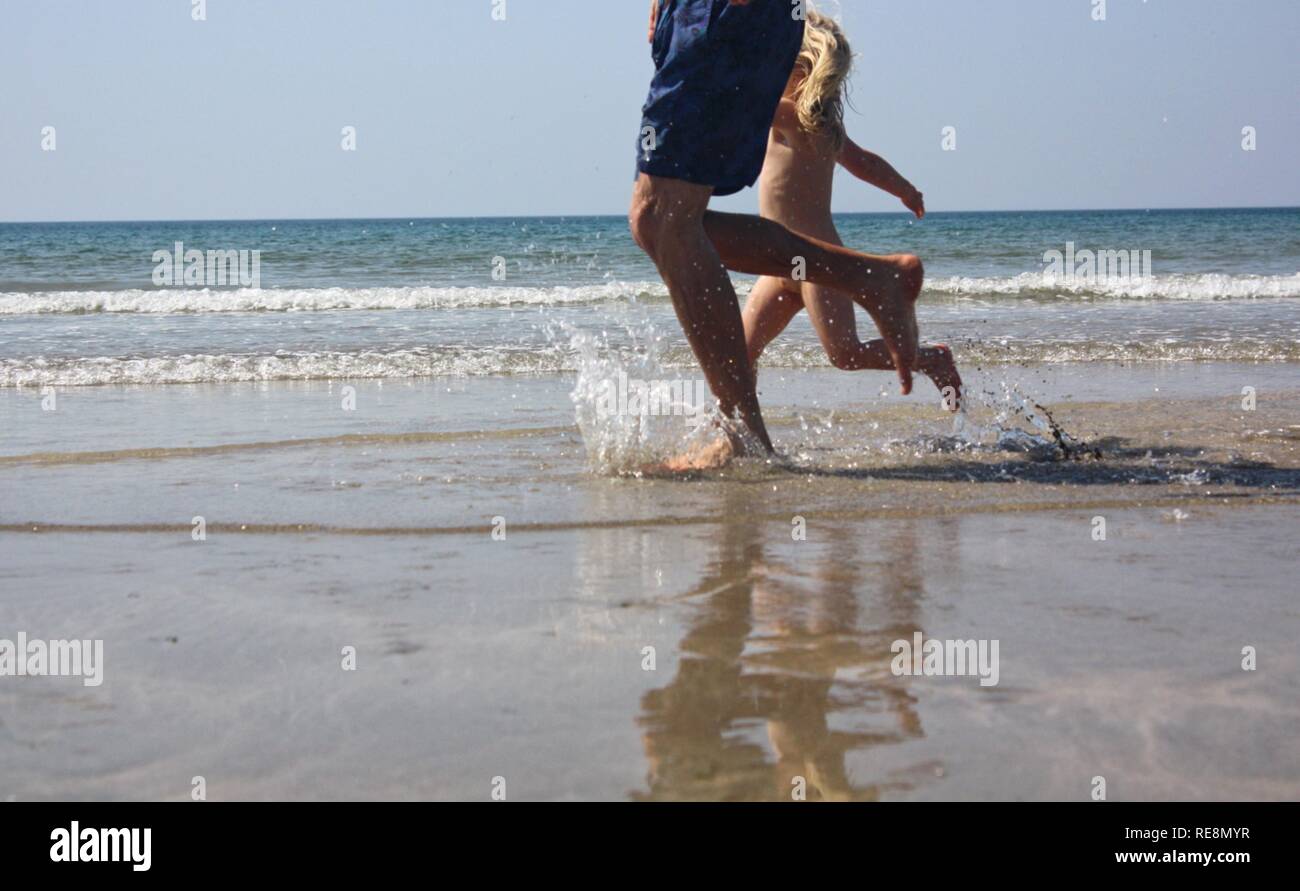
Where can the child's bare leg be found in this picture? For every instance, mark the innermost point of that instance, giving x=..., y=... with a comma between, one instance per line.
x=937, y=364
x=886, y=287
x=770, y=307
x=833, y=318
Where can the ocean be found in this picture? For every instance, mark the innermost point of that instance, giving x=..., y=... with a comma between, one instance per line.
x=389, y=441
x=399, y=299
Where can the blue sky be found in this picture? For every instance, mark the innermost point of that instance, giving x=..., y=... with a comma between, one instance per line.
x=158, y=116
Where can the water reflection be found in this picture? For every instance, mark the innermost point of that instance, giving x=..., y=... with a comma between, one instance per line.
x=784, y=666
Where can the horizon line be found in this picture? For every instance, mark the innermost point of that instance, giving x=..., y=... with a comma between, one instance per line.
x=603, y=216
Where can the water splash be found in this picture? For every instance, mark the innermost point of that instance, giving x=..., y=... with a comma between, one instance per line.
x=1045, y=440
x=633, y=440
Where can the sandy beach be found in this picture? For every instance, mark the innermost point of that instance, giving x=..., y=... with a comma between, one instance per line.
x=523, y=656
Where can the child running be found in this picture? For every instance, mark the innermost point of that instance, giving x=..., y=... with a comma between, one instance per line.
x=806, y=143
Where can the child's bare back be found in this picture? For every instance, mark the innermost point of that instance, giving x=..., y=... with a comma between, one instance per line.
x=798, y=177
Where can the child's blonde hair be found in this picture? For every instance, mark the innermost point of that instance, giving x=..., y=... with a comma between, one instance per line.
x=826, y=62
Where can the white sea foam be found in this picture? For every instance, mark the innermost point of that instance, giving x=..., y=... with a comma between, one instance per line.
x=1041, y=285
x=467, y=361
x=164, y=300
x=1029, y=285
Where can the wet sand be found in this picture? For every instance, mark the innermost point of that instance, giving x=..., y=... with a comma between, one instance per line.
x=523, y=658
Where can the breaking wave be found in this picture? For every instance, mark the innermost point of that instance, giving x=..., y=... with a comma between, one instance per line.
x=162, y=301
x=1029, y=286
x=472, y=361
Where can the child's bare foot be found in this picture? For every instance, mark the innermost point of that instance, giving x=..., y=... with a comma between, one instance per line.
x=895, y=314
x=937, y=364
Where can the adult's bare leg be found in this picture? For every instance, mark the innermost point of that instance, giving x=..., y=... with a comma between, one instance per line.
x=667, y=220
x=886, y=287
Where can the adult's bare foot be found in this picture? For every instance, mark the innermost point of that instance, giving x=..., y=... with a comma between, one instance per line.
x=892, y=306
x=712, y=455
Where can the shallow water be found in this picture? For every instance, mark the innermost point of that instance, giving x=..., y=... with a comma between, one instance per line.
x=523, y=657
x=350, y=436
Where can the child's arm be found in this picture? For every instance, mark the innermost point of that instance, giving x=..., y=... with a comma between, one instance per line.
x=875, y=170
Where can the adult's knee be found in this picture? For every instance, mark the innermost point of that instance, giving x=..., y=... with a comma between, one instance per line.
x=912, y=270
x=664, y=211
x=646, y=221
x=653, y=224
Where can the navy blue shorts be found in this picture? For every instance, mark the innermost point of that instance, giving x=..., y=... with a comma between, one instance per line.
x=720, y=71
